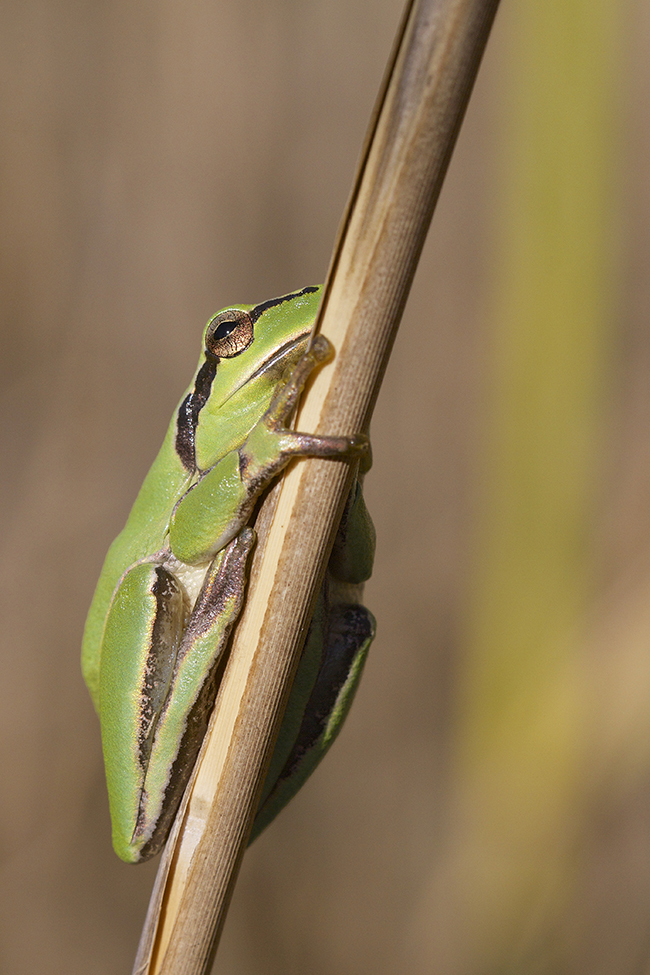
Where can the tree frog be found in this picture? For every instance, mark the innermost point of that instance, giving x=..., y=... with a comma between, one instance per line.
x=174, y=579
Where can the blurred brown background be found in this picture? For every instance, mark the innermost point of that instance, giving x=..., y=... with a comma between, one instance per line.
x=158, y=161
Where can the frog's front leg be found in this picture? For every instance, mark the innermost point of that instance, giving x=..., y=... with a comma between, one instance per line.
x=156, y=686
x=217, y=506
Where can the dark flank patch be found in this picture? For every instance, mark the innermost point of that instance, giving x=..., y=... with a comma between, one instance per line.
x=188, y=413
x=259, y=310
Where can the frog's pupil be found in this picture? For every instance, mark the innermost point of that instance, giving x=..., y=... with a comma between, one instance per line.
x=224, y=329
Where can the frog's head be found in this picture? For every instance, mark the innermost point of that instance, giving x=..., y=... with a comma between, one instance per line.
x=247, y=349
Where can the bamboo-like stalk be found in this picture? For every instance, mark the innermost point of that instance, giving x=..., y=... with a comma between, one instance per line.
x=418, y=114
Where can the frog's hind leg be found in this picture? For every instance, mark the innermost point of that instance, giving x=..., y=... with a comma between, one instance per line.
x=339, y=639
x=329, y=671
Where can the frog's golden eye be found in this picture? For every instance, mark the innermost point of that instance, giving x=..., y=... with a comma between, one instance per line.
x=229, y=333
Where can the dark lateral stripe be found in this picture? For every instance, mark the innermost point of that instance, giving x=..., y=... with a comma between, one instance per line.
x=272, y=302
x=188, y=413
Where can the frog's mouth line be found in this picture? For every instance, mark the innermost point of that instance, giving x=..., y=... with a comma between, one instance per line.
x=269, y=363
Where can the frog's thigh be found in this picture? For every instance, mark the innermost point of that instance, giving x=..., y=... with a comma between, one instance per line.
x=353, y=552
x=189, y=696
x=143, y=628
x=345, y=638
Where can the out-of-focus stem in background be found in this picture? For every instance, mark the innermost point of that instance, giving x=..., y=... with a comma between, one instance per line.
x=523, y=722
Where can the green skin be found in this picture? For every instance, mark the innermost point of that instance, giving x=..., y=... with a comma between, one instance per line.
x=173, y=582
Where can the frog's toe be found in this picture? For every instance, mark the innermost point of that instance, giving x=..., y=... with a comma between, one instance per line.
x=321, y=349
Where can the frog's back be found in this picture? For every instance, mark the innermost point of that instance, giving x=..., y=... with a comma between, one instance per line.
x=142, y=536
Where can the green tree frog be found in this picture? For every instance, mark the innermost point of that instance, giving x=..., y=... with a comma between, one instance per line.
x=173, y=581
